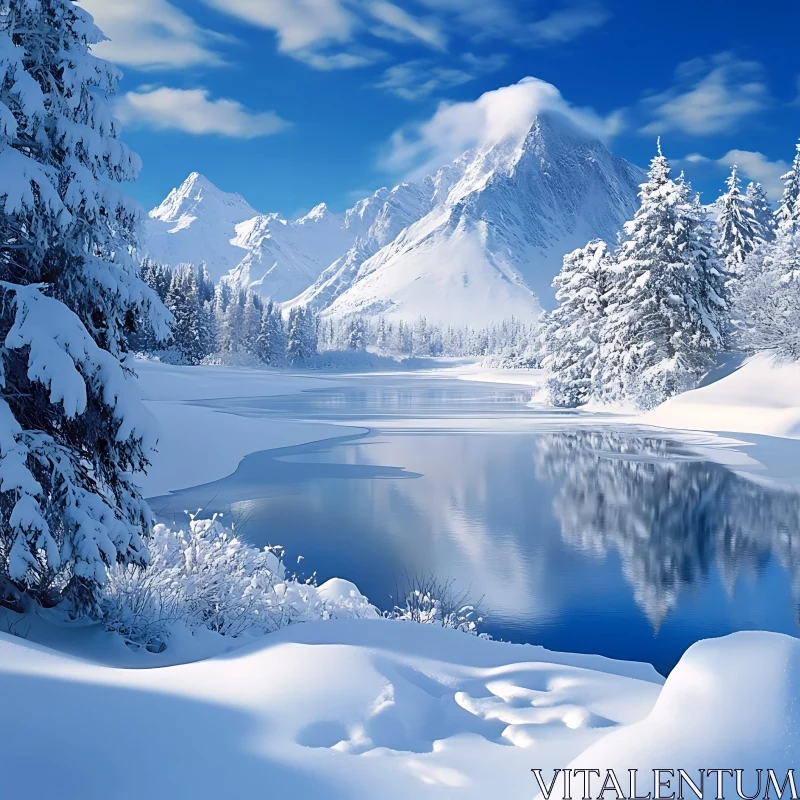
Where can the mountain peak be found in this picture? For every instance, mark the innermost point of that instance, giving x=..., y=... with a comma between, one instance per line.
x=198, y=196
x=317, y=213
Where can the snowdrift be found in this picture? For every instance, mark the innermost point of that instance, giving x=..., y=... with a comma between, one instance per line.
x=434, y=713
x=761, y=397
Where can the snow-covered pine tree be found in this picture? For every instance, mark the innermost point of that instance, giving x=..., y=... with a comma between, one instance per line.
x=787, y=216
x=183, y=301
x=157, y=276
x=762, y=210
x=739, y=232
x=271, y=343
x=205, y=284
x=301, y=335
x=571, y=333
x=666, y=316
x=767, y=299
x=251, y=323
x=356, y=334
x=222, y=297
x=309, y=327
x=232, y=334
x=72, y=431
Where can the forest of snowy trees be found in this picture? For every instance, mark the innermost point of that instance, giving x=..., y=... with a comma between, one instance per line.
x=645, y=319
x=221, y=324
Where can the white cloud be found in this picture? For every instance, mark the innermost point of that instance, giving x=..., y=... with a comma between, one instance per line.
x=325, y=33
x=507, y=20
x=193, y=111
x=400, y=25
x=709, y=96
x=568, y=24
x=753, y=165
x=422, y=77
x=417, y=79
x=502, y=113
x=150, y=34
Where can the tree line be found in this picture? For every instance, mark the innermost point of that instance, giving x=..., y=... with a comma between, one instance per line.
x=220, y=322
x=645, y=319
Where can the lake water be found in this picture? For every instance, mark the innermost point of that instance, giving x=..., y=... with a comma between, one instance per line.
x=603, y=541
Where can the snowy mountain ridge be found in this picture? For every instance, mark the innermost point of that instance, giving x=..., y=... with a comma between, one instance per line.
x=477, y=241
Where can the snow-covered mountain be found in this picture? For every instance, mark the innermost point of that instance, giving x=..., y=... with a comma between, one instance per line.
x=490, y=249
x=478, y=241
x=197, y=222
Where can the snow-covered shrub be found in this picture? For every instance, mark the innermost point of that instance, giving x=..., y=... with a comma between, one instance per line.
x=429, y=601
x=205, y=577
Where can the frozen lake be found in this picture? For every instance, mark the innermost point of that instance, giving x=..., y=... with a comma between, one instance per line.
x=603, y=540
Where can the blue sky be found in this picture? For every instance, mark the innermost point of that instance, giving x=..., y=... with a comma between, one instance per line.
x=294, y=102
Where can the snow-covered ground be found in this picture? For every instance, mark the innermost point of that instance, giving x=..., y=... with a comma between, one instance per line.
x=761, y=397
x=356, y=710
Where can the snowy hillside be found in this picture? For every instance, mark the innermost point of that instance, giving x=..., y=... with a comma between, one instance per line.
x=476, y=242
x=284, y=257
x=492, y=247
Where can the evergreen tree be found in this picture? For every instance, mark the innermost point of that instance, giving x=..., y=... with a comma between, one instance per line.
x=762, y=211
x=739, y=232
x=301, y=335
x=356, y=335
x=251, y=323
x=666, y=318
x=232, y=334
x=767, y=300
x=572, y=332
x=205, y=285
x=72, y=434
x=184, y=302
x=271, y=344
x=787, y=216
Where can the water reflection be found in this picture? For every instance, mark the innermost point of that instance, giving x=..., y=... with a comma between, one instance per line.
x=669, y=518
x=580, y=540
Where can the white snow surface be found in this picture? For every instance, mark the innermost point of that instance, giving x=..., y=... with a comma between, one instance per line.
x=761, y=397
x=477, y=242
x=359, y=709
x=198, y=444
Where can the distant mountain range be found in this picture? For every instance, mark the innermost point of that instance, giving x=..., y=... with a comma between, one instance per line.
x=478, y=241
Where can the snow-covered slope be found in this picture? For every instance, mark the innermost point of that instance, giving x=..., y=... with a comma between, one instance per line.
x=284, y=257
x=197, y=222
x=491, y=248
x=761, y=397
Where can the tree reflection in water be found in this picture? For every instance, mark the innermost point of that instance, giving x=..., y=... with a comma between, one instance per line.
x=670, y=518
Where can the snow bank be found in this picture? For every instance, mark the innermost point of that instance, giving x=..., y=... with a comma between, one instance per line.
x=435, y=714
x=514, y=376
x=731, y=702
x=761, y=397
